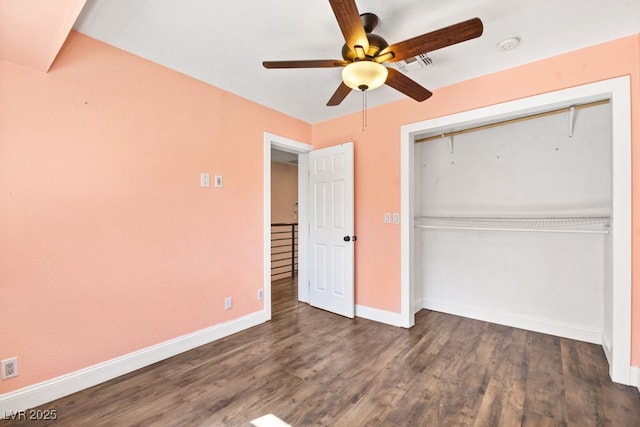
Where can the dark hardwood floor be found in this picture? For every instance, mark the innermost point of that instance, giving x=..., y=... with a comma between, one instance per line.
x=313, y=368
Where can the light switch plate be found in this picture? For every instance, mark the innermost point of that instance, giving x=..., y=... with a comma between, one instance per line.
x=396, y=218
x=204, y=180
x=387, y=218
x=218, y=181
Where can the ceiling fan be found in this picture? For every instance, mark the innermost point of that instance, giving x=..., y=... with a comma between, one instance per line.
x=364, y=53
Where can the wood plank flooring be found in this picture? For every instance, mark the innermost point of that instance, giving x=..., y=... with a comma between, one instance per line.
x=313, y=368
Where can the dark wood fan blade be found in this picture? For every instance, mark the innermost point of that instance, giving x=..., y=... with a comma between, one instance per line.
x=348, y=18
x=404, y=84
x=434, y=40
x=339, y=95
x=313, y=63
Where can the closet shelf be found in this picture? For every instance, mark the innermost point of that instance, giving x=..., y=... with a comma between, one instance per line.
x=591, y=224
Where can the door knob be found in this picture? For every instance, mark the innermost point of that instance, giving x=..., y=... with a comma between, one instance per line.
x=347, y=238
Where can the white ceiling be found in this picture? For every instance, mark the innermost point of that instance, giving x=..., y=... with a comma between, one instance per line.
x=224, y=42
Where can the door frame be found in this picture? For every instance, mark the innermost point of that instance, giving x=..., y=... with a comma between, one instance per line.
x=619, y=92
x=291, y=146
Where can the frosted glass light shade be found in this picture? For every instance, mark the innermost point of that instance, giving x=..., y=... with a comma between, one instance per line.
x=364, y=75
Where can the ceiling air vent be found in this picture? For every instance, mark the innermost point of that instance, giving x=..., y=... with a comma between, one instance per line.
x=414, y=63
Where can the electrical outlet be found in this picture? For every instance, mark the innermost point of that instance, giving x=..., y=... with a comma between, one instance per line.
x=9, y=368
x=228, y=303
x=260, y=294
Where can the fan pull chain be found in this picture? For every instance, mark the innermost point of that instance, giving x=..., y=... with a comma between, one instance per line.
x=363, y=101
x=364, y=109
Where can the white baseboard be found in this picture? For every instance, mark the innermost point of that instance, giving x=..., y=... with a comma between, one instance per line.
x=47, y=391
x=608, y=351
x=382, y=316
x=545, y=326
x=634, y=379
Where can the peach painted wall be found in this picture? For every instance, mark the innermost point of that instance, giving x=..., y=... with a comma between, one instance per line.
x=284, y=192
x=107, y=242
x=377, y=155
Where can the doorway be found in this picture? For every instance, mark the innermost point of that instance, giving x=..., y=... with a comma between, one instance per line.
x=325, y=212
x=284, y=150
x=284, y=216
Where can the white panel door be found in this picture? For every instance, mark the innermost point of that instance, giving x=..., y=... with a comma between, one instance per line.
x=331, y=230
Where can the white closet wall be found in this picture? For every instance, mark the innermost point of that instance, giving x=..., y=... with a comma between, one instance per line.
x=551, y=280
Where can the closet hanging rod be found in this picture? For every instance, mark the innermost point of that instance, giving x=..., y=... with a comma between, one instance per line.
x=509, y=121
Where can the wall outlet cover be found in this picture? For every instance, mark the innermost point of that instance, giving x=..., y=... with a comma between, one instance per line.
x=9, y=368
x=204, y=180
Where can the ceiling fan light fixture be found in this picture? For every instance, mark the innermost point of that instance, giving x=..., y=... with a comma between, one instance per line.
x=364, y=75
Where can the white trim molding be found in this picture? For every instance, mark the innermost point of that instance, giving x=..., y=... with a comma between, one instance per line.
x=47, y=391
x=290, y=146
x=516, y=320
x=381, y=316
x=634, y=379
x=407, y=254
x=618, y=90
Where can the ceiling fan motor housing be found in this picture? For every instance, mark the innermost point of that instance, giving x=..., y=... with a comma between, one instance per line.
x=376, y=45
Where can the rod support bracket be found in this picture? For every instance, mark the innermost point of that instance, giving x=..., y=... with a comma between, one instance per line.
x=450, y=142
x=572, y=114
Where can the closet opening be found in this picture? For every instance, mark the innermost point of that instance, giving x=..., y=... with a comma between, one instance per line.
x=520, y=213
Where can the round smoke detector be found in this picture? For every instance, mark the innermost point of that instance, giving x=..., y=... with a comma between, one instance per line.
x=508, y=43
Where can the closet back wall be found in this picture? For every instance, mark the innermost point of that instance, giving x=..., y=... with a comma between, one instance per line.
x=550, y=282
